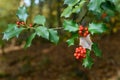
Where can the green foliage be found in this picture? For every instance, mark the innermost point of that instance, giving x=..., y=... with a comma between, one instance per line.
x=96, y=50
x=70, y=26
x=94, y=5
x=42, y=31
x=22, y=13
x=12, y=31
x=88, y=61
x=74, y=6
x=53, y=36
x=39, y=19
x=97, y=28
x=29, y=40
x=71, y=41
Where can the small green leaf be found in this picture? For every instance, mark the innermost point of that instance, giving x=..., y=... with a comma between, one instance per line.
x=94, y=5
x=67, y=12
x=70, y=26
x=53, y=36
x=39, y=19
x=12, y=31
x=72, y=40
x=96, y=50
x=88, y=61
x=42, y=31
x=22, y=13
x=29, y=40
x=97, y=28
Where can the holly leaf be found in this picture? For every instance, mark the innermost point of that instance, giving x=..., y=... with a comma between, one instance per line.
x=97, y=28
x=88, y=61
x=71, y=41
x=96, y=50
x=70, y=2
x=77, y=8
x=22, y=13
x=12, y=31
x=67, y=12
x=39, y=19
x=94, y=5
x=70, y=26
x=42, y=31
x=86, y=42
x=53, y=36
x=29, y=40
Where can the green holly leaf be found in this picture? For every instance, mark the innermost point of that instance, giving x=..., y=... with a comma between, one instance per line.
x=67, y=12
x=77, y=8
x=71, y=2
x=94, y=5
x=96, y=50
x=29, y=40
x=39, y=19
x=53, y=36
x=22, y=13
x=70, y=26
x=88, y=61
x=12, y=31
x=71, y=41
x=97, y=28
x=42, y=31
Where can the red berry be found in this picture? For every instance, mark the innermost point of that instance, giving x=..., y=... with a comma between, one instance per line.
x=23, y=23
x=18, y=23
x=86, y=29
x=30, y=25
x=81, y=28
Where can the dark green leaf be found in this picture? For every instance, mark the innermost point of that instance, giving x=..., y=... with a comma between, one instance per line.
x=12, y=31
x=97, y=28
x=94, y=5
x=88, y=61
x=67, y=12
x=96, y=50
x=29, y=40
x=39, y=19
x=72, y=40
x=22, y=13
x=70, y=26
x=53, y=36
x=42, y=31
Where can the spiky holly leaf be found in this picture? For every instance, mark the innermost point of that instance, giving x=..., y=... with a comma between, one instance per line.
x=39, y=19
x=53, y=36
x=97, y=28
x=96, y=50
x=70, y=26
x=22, y=13
x=29, y=40
x=88, y=61
x=12, y=31
x=94, y=5
x=42, y=31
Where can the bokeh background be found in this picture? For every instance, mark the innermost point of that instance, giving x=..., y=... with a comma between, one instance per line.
x=46, y=61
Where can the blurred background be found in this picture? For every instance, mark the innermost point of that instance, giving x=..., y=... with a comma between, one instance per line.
x=46, y=61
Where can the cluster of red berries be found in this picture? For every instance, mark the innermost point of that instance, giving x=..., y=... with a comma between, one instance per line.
x=20, y=23
x=83, y=31
x=80, y=53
